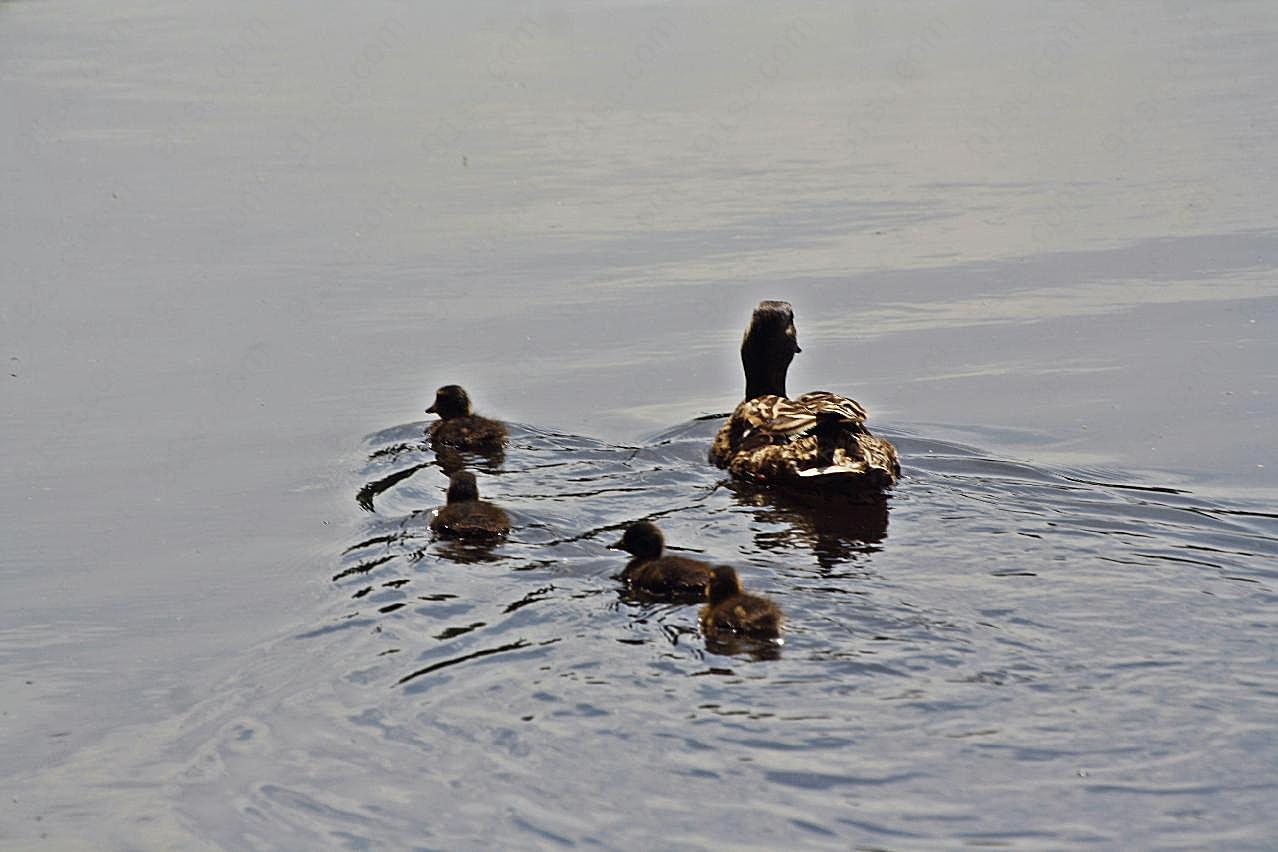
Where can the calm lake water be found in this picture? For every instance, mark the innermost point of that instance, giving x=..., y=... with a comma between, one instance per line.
x=242, y=245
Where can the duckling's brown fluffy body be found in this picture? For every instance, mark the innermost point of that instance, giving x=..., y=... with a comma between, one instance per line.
x=814, y=441
x=466, y=516
x=459, y=427
x=733, y=612
x=667, y=576
x=654, y=574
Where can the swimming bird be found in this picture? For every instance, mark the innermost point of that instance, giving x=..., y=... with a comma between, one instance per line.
x=457, y=427
x=816, y=441
x=732, y=611
x=465, y=515
x=649, y=572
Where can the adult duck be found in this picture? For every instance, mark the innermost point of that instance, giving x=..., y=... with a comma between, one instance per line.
x=817, y=441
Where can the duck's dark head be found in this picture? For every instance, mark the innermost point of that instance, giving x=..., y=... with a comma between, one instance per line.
x=642, y=539
x=462, y=487
x=769, y=346
x=723, y=583
x=450, y=402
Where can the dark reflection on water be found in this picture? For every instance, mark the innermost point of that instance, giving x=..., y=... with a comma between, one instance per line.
x=737, y=646
x=997, y=652
x=832, y=528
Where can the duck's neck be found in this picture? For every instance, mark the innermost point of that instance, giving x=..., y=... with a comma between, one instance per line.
x=758, y=386
x=763, y=377
x=766, y=357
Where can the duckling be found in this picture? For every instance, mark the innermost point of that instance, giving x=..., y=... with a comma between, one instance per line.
x=673, y=577
x=457, y=427
x=732, y=611
x=465, y=515
x=816, y=441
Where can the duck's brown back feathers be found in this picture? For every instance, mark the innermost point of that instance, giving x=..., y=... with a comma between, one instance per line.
x=472, y=519
x=732, y=612
x=818, y=440
x=471, y=432
x=742, y=615
x=668, y=576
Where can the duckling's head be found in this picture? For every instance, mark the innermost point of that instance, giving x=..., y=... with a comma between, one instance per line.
x=769, y=345
x=462, y=487
x=450, y=402
x=723, y=583
x=642, y=539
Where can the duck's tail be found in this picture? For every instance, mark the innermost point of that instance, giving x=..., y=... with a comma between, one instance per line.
x=850, y=458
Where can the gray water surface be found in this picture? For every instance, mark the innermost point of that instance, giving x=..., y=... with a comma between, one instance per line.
x=242, y=245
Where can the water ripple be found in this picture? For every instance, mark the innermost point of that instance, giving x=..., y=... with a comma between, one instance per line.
x=998, y=653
